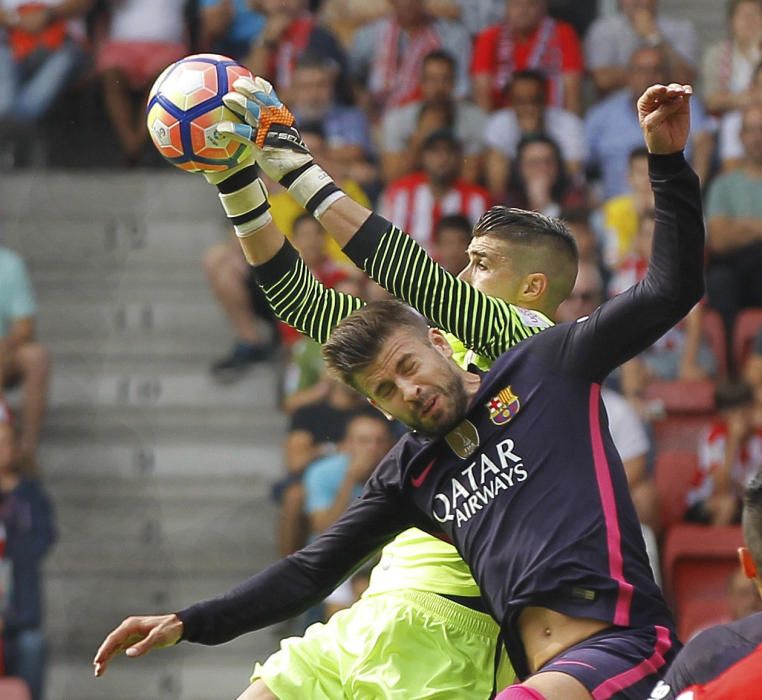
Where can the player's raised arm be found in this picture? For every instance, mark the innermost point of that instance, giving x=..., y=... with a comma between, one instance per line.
x=285, y=588
x=485, y=324
x=630, y=322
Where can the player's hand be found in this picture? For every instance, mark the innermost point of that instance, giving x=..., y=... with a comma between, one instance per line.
x=664, y=115
x=136, y=636
x=268, y=125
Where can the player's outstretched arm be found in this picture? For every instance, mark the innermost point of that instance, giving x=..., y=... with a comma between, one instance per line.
x=630, y=322
x=487, y=325
x=285, y=588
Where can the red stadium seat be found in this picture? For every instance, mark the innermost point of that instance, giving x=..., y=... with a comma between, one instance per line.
x=673, y=473
x=714, y=332
x=698, y=562
x=699, y=613
x=679, y=432
x=748, y=323
x=683, y=397
x=14, y=689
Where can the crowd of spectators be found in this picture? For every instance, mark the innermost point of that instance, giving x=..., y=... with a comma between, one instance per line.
x=432, y=111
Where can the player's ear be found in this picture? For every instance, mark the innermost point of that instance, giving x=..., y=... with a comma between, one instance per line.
x=748, y=566
x=533, y=286
x=439, y=341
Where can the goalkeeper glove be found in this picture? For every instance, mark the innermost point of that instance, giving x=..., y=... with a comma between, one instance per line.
x=243, y=196
x=277, y=145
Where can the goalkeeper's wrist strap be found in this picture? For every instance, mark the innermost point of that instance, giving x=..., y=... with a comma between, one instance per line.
x=244, y=199
x=313, y=188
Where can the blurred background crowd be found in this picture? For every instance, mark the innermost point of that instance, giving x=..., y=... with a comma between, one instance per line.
x=430, y=111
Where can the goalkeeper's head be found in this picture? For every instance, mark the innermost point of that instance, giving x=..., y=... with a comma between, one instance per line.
x=523, y=257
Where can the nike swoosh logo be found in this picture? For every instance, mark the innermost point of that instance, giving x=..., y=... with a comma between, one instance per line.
x=418, y=481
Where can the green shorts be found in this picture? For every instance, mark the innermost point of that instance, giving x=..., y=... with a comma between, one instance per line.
x=402, y=645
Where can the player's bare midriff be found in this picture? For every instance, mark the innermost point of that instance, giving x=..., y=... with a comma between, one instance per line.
x=546, y=633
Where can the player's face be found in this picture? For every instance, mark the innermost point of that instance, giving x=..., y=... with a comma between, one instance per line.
x=415, y=380
x=489, y=268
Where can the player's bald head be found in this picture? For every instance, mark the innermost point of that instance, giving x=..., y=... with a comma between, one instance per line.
x=535, y=243
x=752, y=520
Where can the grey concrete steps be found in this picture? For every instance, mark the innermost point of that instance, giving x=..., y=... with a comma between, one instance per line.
x=184, y=672
x=88, y=424
x=89, y=240
x=171, y=462
x=158, y=385
x=161, y=194
x=148, y=346
x=69, y=317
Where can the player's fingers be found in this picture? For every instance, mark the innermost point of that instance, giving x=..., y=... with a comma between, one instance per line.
x=242, y=133
x=240, y=105
x=145, y=645
x=112, y=641
x=258, y=90
x=245, y=86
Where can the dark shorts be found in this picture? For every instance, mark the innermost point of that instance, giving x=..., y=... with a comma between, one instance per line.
x=619, y=663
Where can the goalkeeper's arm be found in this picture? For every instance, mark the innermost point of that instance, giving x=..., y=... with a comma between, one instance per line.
x=292, y=291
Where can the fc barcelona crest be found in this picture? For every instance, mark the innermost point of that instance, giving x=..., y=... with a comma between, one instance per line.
x=503, y=407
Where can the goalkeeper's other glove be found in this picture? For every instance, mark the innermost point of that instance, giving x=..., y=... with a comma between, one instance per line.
x=277, y=145
x=243, y=196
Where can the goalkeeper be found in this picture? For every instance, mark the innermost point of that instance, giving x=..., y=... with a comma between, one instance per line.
x=421, y=628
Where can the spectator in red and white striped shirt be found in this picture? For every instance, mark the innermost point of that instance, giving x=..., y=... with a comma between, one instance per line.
x=730, y=454
x=417, y=201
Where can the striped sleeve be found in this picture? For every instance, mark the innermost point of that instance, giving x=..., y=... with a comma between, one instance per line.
x=301, y=300
x=486, y=325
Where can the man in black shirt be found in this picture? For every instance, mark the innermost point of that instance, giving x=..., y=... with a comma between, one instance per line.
x=514, y=466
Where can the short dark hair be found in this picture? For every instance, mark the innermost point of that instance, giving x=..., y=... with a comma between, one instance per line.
x=545, y=234
x=456, y=222
x=732, y=394
x=526, y=227
x=440, y=55
x=358, y=339
x=530, y=74
x=313, y=59
x=752, y=519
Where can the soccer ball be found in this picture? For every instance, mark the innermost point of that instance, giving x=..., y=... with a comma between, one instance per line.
x=184, y=105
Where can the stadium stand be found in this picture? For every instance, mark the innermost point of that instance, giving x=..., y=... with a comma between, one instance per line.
x=697, y=562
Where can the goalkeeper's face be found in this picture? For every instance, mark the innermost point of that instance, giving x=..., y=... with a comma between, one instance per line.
x=491, y=270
